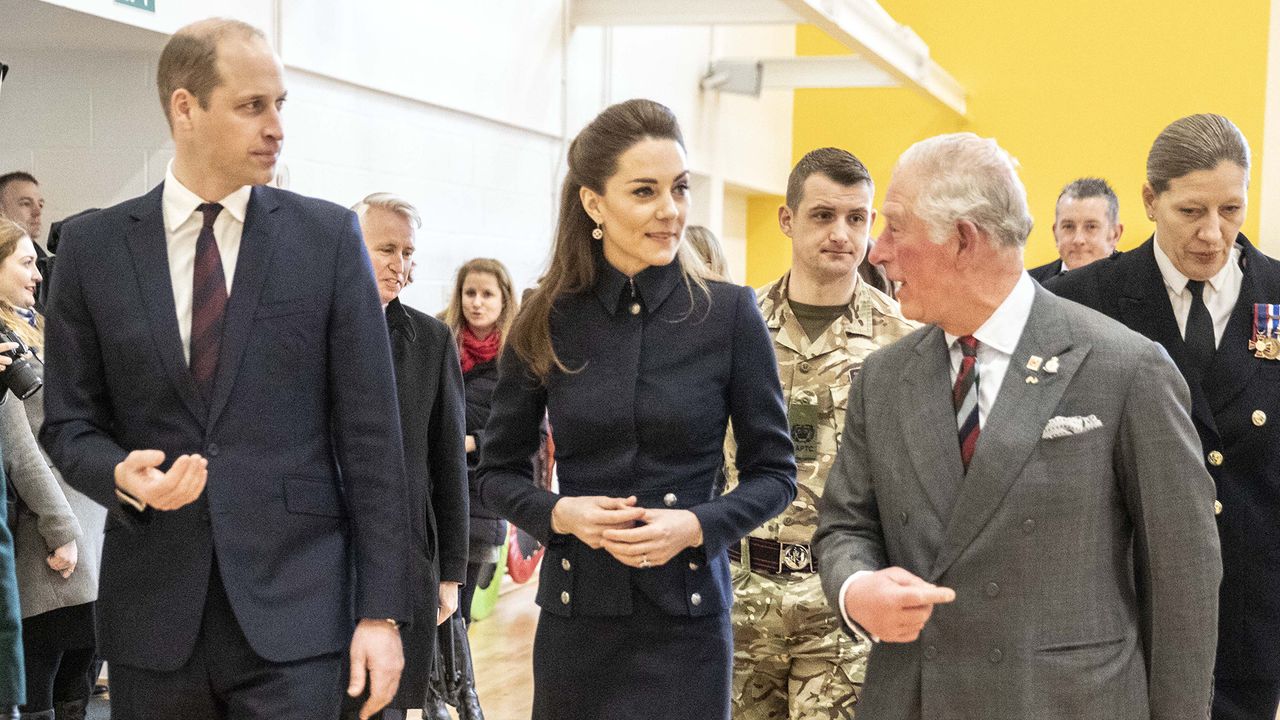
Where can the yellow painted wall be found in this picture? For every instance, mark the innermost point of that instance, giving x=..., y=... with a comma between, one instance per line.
x=1071, y=88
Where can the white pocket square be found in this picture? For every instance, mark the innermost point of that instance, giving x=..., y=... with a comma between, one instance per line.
x=1060, y=426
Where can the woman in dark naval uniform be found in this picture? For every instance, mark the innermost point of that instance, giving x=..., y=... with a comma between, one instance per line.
x=639, y=361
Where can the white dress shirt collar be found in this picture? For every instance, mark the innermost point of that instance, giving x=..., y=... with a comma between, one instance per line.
x=179, y=203
x=1177, y=282
x=1003, y=329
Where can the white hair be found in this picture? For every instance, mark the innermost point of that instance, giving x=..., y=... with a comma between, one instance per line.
x=390, y=202
x=964, y=177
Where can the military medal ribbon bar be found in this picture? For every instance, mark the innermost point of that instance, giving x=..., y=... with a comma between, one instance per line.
x=1266, y=331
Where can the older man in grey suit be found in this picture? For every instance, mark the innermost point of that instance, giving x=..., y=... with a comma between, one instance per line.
x=1018, y=512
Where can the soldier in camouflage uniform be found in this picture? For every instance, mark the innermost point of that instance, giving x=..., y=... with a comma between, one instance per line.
x=792, y=658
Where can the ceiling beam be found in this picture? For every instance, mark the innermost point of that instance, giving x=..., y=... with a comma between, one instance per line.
x=750, y=76
x=865, y=28
x=682, y=12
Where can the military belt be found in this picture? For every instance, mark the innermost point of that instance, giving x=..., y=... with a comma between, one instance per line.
x=775, y=558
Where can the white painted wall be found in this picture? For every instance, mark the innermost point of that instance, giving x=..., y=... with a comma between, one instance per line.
x=461, y=107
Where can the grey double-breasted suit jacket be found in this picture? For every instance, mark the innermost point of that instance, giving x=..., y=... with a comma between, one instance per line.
x=1086, y=567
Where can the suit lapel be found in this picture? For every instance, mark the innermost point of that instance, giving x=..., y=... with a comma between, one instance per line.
x=1145, y=308
x=256, y=247
x=151, y=266
x=1234, y=364
x=926, y=391
x=1013, y=428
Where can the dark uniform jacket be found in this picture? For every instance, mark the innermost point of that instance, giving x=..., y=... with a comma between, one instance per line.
x=659, y=373
x=1237, y=415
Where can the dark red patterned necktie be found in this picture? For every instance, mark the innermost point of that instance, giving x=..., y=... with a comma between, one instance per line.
x=964, y=397
x=208, y=303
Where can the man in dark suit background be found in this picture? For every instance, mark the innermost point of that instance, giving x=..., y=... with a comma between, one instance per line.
x=1016, y=511
x=219, y=375
x=1086, y=227
x=1200, y=289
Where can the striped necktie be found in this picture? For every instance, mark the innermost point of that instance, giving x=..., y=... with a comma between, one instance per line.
x=964, y=397
x=208, y=303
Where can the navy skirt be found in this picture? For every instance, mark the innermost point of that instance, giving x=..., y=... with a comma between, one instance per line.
x=636, y=667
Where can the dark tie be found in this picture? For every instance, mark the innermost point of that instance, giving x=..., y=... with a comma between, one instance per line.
x=964, y=397
x=208, y=303
x=1199, y=336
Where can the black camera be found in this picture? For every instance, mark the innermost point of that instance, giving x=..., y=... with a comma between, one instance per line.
x=21, y=376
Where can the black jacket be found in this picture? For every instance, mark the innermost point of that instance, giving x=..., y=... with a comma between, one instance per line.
x=1236, y=410
x=487, y=529
x=429, y=386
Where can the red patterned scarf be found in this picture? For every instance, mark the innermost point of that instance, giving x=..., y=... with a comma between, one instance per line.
x=476, y=351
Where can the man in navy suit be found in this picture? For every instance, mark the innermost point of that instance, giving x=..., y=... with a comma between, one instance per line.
x=1086, y=227
x=219, y=376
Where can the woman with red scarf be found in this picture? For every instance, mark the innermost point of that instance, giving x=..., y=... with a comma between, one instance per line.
x=481, y=310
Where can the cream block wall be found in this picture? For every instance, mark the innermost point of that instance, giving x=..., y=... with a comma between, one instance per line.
x=461, y=107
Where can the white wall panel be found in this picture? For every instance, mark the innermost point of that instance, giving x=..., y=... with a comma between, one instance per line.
x=498, y=59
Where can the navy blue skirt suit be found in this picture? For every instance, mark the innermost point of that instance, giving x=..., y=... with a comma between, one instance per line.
x=661, y=368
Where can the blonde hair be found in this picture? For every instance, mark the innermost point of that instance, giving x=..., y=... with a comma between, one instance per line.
x=453, y=316
x=707, y=247
x=11, y=233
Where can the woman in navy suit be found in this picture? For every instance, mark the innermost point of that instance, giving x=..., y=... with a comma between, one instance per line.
x=640, y=362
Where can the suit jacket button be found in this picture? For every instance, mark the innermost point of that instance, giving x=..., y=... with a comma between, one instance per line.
x=996, y=656
x=992, y=589
x=694, y=566
x=1259, y=418
x=669, y=499
x=1028, y=526
x=566, y=565
x=903, y=516
x=695, y=599
x=1215, y=458
x=212, y=450
x=804, y=367
x=930, y=652
x=635, y=308
x=564, y=598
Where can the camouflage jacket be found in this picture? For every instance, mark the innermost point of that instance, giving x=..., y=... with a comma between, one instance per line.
x=818, y=373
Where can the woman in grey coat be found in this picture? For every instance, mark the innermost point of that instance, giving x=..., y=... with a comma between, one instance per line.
x=57, y=534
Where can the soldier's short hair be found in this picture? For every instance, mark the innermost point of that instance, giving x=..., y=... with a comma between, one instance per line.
x=1088, y=187
x=839, y=165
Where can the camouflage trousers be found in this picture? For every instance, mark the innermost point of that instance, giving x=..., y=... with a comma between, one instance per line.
x=791, y=657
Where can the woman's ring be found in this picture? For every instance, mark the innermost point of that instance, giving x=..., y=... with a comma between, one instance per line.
x=644, y=561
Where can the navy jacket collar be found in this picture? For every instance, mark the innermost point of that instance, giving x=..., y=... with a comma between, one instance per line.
x=652, y=285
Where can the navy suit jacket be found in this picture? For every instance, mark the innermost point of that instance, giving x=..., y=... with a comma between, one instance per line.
x=304, y=505
x=1129, y=288
x=1046, y=272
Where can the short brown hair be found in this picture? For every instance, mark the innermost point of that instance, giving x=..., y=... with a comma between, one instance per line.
x=839, y=165
x=190, y=59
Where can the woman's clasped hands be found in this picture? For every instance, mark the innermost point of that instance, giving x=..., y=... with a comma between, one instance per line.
x=635, y=536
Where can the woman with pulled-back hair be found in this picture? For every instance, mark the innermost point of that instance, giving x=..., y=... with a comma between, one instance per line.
x=640, y=362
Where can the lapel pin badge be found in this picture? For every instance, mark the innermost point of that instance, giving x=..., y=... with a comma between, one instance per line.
x=1034, y=363
x=1032, y=379
x=1051, y=366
